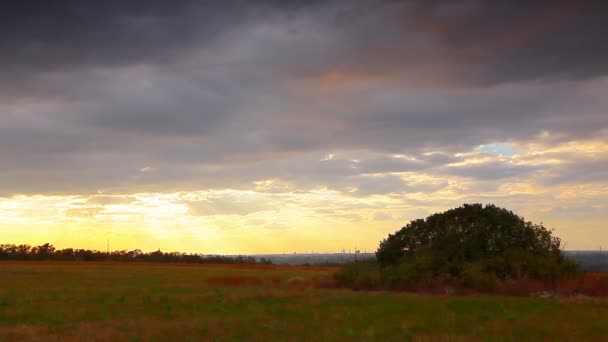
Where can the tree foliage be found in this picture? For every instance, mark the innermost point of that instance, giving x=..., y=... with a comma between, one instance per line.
x=49, y=252
x=470, y=241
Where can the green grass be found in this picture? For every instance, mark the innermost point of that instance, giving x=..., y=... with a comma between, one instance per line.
x=126, y=302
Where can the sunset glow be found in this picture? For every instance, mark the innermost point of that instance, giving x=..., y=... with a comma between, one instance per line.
x=312, y=128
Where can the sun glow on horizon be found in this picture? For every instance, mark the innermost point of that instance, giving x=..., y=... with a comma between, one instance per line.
x=320, y=126
x=273, y=217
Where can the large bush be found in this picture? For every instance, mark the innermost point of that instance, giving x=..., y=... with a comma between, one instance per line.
x=472, y=244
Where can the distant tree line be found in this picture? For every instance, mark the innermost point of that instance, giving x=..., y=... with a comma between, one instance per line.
x=48, y=252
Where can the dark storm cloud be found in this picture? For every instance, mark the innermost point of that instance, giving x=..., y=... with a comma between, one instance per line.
x=496, y=40
x=174, y=95
x=66, y=34
x=54, y=35
x=507, y=40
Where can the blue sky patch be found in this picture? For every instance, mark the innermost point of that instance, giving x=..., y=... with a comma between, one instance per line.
x=501, y=149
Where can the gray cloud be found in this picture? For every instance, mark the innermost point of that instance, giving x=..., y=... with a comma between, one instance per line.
x=578, y=170
x=493, y=170
x=504, y=41
x=221, y=94
x=389, y=184
x=67, y=34
x=366, y=185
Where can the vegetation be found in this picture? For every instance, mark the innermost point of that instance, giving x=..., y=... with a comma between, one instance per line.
x=49, y=252
x=472, y=246
x=56, y=301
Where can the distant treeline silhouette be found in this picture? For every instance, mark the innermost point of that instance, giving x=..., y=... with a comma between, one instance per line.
x=49, y=252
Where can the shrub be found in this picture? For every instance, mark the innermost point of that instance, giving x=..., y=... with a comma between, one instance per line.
x=363, y=275
x=475, y=246
x=476, y=276
x=476, y=239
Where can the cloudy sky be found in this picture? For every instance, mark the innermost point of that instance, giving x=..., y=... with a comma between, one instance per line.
x=280, y=126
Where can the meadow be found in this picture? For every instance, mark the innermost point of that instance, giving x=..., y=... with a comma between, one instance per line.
x=49, y=301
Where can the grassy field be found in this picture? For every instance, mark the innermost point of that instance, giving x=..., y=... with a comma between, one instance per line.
x=131, y=302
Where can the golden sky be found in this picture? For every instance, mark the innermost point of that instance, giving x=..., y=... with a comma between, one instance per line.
x=272, y=217
x=274, y=127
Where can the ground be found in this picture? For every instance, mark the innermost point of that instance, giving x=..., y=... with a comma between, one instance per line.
x=132, y=302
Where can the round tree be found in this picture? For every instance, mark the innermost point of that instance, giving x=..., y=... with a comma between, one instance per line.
x=474, y=238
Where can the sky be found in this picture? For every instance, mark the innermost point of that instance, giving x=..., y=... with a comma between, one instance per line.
x=297, y=126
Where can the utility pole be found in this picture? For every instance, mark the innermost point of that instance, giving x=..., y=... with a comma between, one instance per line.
x=108, y=247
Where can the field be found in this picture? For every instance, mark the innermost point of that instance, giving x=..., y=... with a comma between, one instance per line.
x=131, y=302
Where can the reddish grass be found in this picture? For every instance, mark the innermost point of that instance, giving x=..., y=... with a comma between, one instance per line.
x=295, y=282
x=587, y=284
x=140, y=328
x=243, y=280
x=592, y=284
